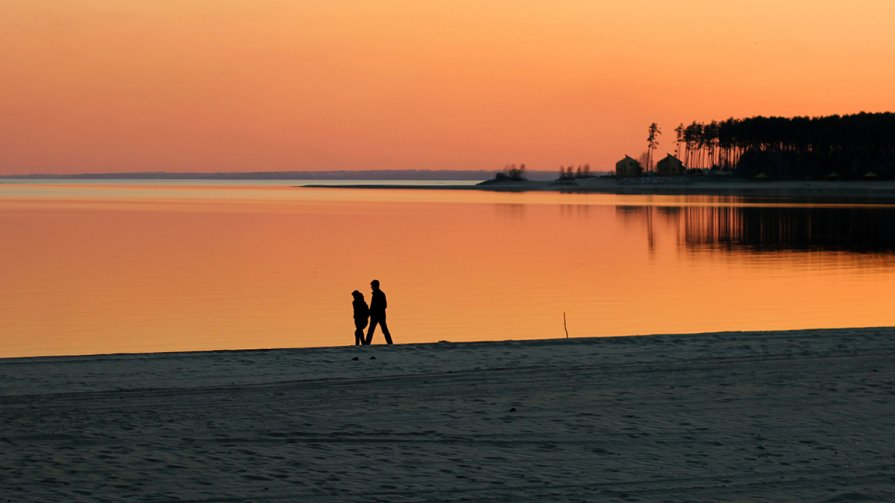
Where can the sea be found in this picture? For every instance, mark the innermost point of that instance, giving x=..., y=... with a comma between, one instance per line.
x=133, y=266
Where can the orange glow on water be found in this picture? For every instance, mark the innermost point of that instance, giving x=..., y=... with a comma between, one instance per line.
x=222, y=85
x=123, y=268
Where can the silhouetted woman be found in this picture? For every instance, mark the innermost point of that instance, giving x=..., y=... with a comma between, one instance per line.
x=361, y=314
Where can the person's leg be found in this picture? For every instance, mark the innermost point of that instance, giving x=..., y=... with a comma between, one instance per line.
x=370, y=330
x=358, y=336
x=385, y=332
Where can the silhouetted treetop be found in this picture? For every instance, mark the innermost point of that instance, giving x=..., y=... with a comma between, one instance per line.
x=846, y=146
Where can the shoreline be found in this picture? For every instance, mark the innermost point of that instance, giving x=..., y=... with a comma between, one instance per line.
x=881, y=191
x=801, y=415
x=13, y=360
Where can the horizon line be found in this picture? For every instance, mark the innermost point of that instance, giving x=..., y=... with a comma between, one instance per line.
x=451, y=173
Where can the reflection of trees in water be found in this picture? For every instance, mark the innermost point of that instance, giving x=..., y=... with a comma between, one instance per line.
x=574, y=210
x=790, y=228
x=769, y=228
x=514, y=210
x=669, y=214
x=632, y=213
x=664, y=214
x=642, y=215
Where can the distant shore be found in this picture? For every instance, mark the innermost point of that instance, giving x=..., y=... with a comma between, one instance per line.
x=370, y=174
x=864, y=191
x=803, y=415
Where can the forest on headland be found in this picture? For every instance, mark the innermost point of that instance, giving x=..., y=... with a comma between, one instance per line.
x=837, y=146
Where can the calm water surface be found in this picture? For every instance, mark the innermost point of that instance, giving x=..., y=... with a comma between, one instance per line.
x=104, y=267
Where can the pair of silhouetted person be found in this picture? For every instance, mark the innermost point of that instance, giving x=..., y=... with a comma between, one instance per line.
x=375, y=313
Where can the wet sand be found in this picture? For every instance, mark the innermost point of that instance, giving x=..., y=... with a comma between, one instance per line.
x=773, y=416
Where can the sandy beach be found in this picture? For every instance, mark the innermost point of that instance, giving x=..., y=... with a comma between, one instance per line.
x=773, y=416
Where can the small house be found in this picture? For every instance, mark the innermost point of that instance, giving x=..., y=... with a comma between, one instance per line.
x=628, y=167
x=670, y=166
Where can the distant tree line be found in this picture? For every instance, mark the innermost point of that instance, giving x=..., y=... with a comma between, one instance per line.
x=570, y=172
x=511, y=173
x=846, y=146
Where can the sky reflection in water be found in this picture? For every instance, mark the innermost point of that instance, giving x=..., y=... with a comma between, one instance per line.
x=132, y=267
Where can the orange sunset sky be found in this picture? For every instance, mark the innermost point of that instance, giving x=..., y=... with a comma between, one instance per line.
x=245, y=85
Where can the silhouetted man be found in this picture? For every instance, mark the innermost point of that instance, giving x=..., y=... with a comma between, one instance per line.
x=377, y=313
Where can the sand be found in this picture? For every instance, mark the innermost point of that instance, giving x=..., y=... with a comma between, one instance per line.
x=786, y=416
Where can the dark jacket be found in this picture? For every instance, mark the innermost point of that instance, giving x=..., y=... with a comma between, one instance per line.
x=361, y=312
x=378, y=304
